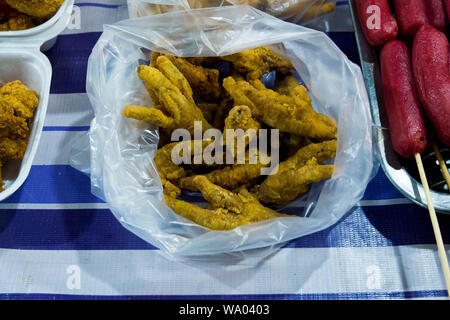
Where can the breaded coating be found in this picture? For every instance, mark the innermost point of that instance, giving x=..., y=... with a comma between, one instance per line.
x=2, y=184
x=240, y=117
x=276, y=188
x=12, y=149
x=172, y=73
x=16, y=23
x=28, y=98
x=204, y=81
x=150, y=115
x=291, y=183
x=219, y=219
x=10, y=124
x=182, y=112
x=17, y=105
x=229, y=177
x=280, y=111
x=36, y=8
x=259, y=61
x=240, y=204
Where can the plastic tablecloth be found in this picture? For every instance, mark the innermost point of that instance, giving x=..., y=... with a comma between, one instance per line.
x=58, y=241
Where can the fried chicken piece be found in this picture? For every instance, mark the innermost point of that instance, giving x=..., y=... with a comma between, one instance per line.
x=171, y=72
x=20, y=22
x=289, y=86
x=291, y=183
x=240, y=204
x=36, y=8
x=12, y=149
x=22, y=99
x=276, y=190
x=181, y=112
x=219, y=219
x=204, y=81
x=229, y=177
x=240, y=117
x=10, y=124
x=279, y=111
x=170, y=172
x=259, y=61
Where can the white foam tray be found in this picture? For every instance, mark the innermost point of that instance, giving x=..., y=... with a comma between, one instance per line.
x=21, y=59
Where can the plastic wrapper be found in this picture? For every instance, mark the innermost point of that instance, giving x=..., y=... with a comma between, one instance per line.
x=289, y=10
x=121, y=150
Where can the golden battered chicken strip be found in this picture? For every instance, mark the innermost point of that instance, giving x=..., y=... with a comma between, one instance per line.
x=150, y=115
x=279, y=111
x=243, y=205
x=229, y=177
x=175, y=76
x=219, y=219
x=274, y=190
x=259, y=61
x=167, y=169
x=36, y=8
x=204, y=81
x=179, y=108
x=20, y=22
x=291, y=183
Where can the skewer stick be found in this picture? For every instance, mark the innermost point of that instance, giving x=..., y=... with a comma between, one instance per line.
x=434, y=222
x=442, y=164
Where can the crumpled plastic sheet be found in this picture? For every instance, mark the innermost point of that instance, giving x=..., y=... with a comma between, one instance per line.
x=296, y=11
x=121, y=150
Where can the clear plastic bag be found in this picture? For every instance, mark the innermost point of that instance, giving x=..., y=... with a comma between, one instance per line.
x=121, y=150
x=297, y=11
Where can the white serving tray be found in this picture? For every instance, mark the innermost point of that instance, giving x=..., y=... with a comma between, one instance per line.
x=21, y=59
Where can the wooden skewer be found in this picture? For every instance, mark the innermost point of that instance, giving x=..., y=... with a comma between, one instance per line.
x=434, y=222
x=442, y=164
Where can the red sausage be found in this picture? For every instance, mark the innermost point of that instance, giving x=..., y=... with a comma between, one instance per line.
x=430, y=60
x=406, y=123
x=437, y=16
x=410, y=15
x=377, y=22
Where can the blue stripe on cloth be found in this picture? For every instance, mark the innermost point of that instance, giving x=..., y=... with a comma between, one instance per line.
x=65, y=230
x=98, y=229
x=54, y=184
x=69, y=58
x=305, y=296
x=99, y=5
x=65, y=128
x=70, y=55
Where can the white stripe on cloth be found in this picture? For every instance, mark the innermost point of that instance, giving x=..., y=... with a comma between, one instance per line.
x=289, y=271
x=69, y=110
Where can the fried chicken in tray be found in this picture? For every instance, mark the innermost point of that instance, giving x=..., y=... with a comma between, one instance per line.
x=185, y=91
x=16, y=15
x=17, y=106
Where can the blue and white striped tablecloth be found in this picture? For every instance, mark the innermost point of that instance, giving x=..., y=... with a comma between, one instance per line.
x=58, y=241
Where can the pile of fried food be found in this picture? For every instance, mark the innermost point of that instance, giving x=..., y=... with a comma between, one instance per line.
x=17, y=105
x=184, y=90
x=26, y=14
